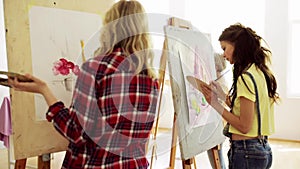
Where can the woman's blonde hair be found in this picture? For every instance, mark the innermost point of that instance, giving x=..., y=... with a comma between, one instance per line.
x=126, y=26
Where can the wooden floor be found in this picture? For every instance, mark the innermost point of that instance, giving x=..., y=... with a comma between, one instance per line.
x=286, y=154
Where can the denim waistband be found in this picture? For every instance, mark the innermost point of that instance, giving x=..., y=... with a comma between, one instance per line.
x=248, y=142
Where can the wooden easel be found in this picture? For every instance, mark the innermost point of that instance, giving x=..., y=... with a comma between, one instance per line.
x=186, y=163
x=21, y=164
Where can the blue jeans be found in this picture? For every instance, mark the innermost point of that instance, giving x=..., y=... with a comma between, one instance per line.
x=250, y=154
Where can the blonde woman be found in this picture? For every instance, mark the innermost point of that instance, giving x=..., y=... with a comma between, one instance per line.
x=114, y=100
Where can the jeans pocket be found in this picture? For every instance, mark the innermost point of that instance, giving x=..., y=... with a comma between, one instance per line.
x=255, y=156
x=258, y=161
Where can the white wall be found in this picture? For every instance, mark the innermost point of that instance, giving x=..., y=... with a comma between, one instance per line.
x=4, y=91
x=287, y=114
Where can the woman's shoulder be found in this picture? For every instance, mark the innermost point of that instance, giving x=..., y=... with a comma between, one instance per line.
x=252, y=70
x=257, y=74
x=251, y=75
x=108, y=61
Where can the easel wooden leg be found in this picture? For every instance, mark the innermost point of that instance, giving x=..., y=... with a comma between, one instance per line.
x=44, y=161
x=153, y=155
x=187, y=164
x=173, y=145
x=216, y=156
x=195, y=166
x=20, y=164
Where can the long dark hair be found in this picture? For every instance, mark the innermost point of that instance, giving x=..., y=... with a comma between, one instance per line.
x=247, y=51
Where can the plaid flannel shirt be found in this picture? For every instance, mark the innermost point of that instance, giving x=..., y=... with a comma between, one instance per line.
x=111, y=115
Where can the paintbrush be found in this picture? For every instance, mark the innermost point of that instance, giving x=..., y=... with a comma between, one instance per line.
x=221, y=75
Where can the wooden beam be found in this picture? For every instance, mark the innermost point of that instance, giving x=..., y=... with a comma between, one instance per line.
x=20, y=164
x=44, y=161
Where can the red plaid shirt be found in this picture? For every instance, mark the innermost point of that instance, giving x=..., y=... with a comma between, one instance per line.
x=112, y=113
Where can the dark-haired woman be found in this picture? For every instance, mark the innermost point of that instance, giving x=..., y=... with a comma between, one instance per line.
x=251, y=98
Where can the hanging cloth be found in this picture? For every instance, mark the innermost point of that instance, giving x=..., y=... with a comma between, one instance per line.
x=5, y=122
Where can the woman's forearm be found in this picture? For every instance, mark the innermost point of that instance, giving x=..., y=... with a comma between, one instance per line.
x=49, y=96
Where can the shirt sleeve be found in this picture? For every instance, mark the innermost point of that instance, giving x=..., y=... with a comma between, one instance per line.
x=65, y=122
x=245, y=87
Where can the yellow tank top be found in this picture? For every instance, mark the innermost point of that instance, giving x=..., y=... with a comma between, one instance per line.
x=266, y=104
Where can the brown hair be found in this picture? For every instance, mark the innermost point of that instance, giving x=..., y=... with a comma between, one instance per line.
x=247, y=51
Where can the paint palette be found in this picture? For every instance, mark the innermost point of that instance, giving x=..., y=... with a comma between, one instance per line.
x=197, y=83
x=4, y=81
